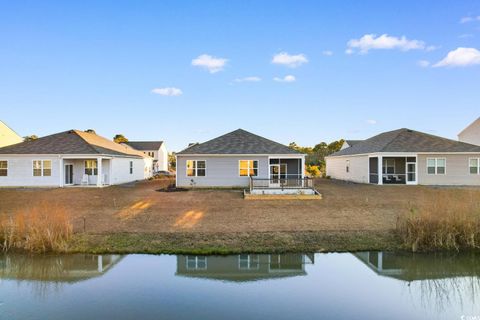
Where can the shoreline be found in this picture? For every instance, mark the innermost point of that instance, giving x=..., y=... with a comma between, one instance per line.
x=234, y=243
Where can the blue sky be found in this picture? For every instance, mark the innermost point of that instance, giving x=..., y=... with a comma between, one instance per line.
x=96, y=64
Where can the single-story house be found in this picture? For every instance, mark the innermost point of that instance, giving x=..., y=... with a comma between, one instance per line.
x=406, y=156
x=471, y=134
x=154, y=149
x=240, y=159
x=71, y=158
x=8, y=136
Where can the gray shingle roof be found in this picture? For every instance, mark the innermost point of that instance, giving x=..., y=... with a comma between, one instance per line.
x=351, y=143
x=406, y=140
x=239, y=142
x=71, y=142
x=145, y=145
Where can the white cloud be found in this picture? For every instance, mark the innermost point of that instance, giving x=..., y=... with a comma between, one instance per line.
x=372, y=122
x=371, y=41
x=288, y=78
x=423, y=63
x=248, y=79
x=327, y=53
x=212, y=64
x=469, y=19
x=168, y=91
x=460, y=57
x=289, y=60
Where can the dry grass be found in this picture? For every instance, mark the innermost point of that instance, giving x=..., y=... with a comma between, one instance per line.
x=448, y=219
x=45, y=227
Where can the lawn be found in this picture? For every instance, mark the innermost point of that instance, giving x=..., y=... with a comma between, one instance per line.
x=137, y=218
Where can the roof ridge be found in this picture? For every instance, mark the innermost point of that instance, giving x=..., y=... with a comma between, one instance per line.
x=85, y=141
x=399, y=131
x=446, y=139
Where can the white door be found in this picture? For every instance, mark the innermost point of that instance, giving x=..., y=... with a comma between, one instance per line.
x=411, y=172
x=274, y=175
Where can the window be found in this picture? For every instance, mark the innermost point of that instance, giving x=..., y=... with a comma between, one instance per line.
x=388, y=166
x=474, y=165
x=248, y=261
x=196, y=262
x=196, y=168
x=248, y=168
x=3, y=168
x=347, y=166
x=91, y=167
x=42, y=168
x=436, y=165
x=131, y=167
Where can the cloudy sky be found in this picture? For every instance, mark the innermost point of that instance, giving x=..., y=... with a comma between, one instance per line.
x=303, y=71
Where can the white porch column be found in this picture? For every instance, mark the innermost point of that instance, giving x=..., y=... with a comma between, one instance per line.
x=61, y=174
x=302, y=167
x=99, y=172
x=380, y=170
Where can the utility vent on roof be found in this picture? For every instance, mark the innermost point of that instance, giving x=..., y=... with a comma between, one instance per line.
x=192, y=144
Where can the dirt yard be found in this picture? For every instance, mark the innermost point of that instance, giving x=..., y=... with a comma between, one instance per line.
x=140, y=209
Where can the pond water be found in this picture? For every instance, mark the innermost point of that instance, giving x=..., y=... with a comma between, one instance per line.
x=367, y=285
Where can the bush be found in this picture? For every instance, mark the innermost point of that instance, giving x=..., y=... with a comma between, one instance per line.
x=43, y=228
x=450, y=220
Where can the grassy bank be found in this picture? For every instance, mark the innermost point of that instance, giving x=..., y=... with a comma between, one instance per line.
x=223, y=243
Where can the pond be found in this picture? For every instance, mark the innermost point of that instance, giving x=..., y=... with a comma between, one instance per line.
x=366, y=285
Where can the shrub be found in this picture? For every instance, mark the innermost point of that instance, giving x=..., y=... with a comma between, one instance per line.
x=448, y=219
x=43, y=228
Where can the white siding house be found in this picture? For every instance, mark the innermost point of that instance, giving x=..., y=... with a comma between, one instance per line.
x=155, y=149
x=71, y=158
x=406, y=156
x=8, y=136
x=471, y=134
x=243, y=159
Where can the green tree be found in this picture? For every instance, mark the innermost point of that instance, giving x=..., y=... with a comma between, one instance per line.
x=172, y=162
x=30, y=138
x=120, y=138
x=90, y=131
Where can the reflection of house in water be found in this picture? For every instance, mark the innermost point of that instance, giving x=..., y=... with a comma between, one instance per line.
x=410, y=267
x=243, y=267
x=55, y=268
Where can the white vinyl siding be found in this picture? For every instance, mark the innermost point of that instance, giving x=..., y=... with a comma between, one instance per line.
x=357, y=168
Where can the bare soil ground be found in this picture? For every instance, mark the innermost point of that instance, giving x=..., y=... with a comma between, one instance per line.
x=196, y=215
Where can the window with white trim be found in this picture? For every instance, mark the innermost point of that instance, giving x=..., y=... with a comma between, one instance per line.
x=91, y=167
x=42, y=168
x=3, y=168
x=248, y=261
x=248, y=168
x=388, y=166
x=436, y=165
x=474, y=165
x=196, y=168
x=131, y=167
x=196, y=263
x=347, y=166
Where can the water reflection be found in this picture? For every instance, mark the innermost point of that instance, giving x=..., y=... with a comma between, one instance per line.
x=245, y=286
x=55, y=268
x=244, y=267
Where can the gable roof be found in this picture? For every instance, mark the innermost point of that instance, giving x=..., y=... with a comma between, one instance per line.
x=406, y=140
x=475, y=123
x=239, y=142
x=145, y=145
x=71, y=142
x=8, y=136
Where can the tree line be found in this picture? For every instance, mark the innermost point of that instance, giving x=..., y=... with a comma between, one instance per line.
x=315, y=156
